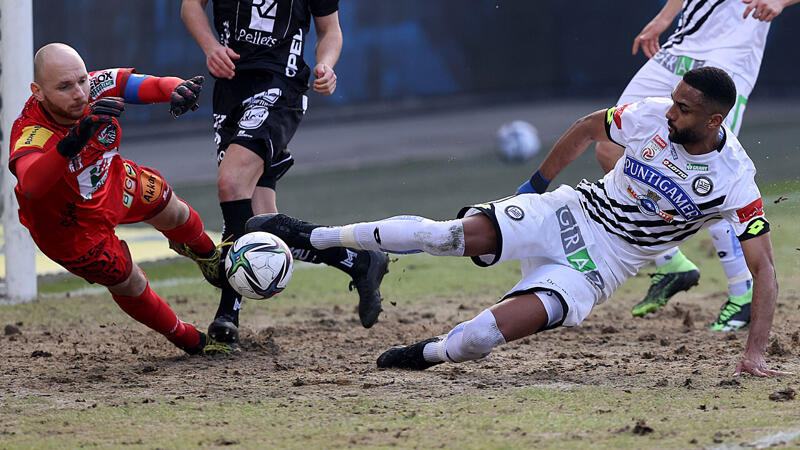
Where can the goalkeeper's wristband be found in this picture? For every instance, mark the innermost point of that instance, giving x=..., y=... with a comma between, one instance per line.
x=536, y=185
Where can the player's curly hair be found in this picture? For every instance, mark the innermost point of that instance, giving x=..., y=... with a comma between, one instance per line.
x=716, y=85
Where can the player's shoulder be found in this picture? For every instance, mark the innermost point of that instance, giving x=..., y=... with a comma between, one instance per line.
x=104, y=80
x=735, y=156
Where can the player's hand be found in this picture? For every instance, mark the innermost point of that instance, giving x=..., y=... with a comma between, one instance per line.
x=107, y=106
x=79, y=135
x=755, y=365
x=219, y=61
x=763, y=10
x=648, y=38
x=325, y=83
x=185, y=96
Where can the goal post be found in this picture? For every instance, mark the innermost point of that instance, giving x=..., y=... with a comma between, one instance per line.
x=16, y=73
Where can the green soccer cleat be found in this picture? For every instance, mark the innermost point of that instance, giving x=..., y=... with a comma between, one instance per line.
x=210, y=266
x=662, y=288
x=679, y=274
x=735, y=313
x=209, y=347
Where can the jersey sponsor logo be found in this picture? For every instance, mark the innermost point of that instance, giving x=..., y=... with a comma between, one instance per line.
x=657, y=139
x=129, y=170
x=672, y=151
x=755, y=208
x=295, y=52
x=33, y=136
x=108, y=135
x=94, y=177
x=101, y=82
x=127, y=199
x=575, y=248
x=152, y=187
x=615, y=115
x=697, y=167
x=650, y=150
x=662, y=185
x=757, y=227
x=648, y=204
x=671, y=166
x=263, y=14
x=256, y=38
x=75, y=164
x=514, y=212
x=702, y=186
x=130, y=185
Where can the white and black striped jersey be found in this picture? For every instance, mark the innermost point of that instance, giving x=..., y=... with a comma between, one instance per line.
x=715, y=32
x=658, y=195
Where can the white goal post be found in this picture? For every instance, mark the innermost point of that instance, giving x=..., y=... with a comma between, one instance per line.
x=16, y=74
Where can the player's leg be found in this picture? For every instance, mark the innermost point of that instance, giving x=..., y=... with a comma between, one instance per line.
x=514, y=318
x=238, y=173
x=471, y=236
x=735, y=312
x=182, y=226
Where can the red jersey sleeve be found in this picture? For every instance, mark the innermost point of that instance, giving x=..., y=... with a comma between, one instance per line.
x=108, y=83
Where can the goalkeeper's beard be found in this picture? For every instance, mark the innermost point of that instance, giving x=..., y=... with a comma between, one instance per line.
x=73, y=113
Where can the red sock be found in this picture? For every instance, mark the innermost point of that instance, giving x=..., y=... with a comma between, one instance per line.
x=151, y=310
x=192, y=234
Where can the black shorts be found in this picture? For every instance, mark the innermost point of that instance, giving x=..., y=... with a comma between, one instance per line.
x=261, y=112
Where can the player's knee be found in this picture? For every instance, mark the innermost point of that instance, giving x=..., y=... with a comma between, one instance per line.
x=474, y=339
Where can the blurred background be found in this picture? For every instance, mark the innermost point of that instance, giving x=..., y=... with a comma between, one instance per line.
x=423, y=86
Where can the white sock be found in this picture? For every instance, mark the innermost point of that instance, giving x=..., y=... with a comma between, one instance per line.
x=730, y=254
x=665, y=256
x=400, y=234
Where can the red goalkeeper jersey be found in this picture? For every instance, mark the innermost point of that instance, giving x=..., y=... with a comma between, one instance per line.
x=88, y=198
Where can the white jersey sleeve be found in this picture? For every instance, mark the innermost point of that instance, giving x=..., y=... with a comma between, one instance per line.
x=629, y=123
x=746, y=213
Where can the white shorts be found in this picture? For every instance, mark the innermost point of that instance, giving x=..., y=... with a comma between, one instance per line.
x=654, y=80
x=558, y=250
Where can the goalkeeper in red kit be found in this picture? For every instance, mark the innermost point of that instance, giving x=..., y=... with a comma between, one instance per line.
x=73, y=186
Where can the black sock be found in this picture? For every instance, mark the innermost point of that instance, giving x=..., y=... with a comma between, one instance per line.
x=347, y=260
x=234, y=216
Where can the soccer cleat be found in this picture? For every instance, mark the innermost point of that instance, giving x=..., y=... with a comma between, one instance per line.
x=409, y=357
x=210, y=347
x=735, y=313
x=294, y=232
x=368, y=283
x=663, y=287
x=222, y=329
x=210, y=267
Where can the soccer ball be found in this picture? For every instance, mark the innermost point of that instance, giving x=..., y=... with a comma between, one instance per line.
x=517, y=141
x=259, y=265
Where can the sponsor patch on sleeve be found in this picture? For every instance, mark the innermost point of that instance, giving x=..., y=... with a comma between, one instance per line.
x=33, y=136
x=755, y=228
x=756, y=208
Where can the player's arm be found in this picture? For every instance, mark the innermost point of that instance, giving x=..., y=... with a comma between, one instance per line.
x=328, y=49
x=39, y=165
x=219, y=58
x=588, y=129
x=766, y=10
x=648, y=37
x=758, y=254
x=181, y=94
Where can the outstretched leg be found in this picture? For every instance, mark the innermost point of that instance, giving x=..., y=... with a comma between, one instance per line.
x=471, y=236
x=514, y=318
